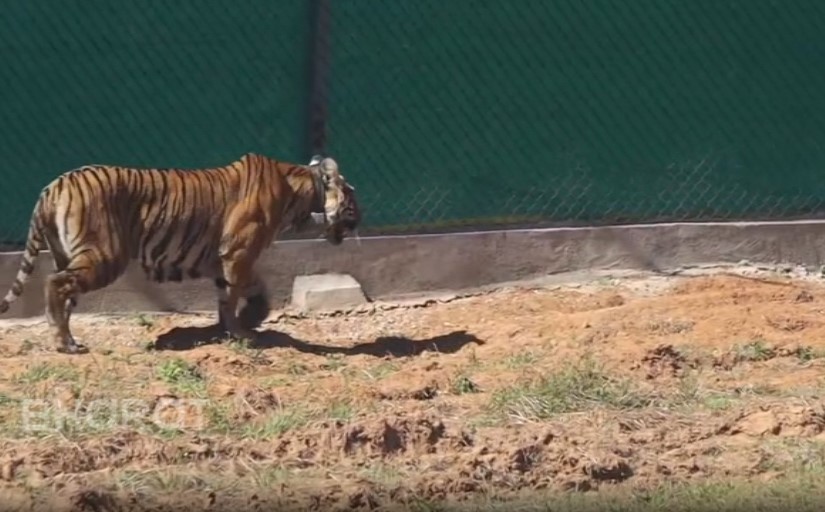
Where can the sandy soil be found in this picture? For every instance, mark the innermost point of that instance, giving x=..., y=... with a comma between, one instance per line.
x=623, y=384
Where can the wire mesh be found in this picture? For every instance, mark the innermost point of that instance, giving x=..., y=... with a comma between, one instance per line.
x=443, y=114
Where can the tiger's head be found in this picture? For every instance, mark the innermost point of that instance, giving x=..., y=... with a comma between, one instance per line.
x=341, y=215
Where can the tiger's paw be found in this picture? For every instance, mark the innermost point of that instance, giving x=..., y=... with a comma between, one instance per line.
x=72, y=349
x=254, y=312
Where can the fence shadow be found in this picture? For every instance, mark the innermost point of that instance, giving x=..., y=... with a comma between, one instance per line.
x=187, y=338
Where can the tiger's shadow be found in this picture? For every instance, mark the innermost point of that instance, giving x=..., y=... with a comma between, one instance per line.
x=188, y=338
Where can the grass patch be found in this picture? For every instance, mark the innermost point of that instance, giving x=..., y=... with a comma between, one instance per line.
x=807, y=353
x=688, y=390
x=278, y=423
x=223, y=418
x=754, y=351
x=571, y=389
x=690, y=393
x=381, y=370
x=296, y=369
x=40, y=372
x=145, y=321
x=670, y=326
x=340, y=410
x=798, y=492
x=463, y=385
x=334, y=363
x=246, y=348
x=522, y=359
x=718, y=402
x=794, y=492
x=757, y=390
x=183, y=376
x=807, y=455
x=793, y=454
x=268, y=477
x=25, y=347
x=160, y=481
x=219, y=417
x=383, y=474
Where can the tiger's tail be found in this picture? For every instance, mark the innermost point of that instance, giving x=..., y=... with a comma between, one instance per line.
x=34, y=244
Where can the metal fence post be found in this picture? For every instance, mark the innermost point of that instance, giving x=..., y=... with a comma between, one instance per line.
x=319, y=76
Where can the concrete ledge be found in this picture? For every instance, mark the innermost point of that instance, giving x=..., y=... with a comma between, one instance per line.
x=387, y=266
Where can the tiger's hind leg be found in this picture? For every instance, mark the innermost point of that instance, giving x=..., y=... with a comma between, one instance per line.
x=62, y=290
x=61, y=262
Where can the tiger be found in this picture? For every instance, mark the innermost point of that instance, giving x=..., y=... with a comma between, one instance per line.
x=178, y=223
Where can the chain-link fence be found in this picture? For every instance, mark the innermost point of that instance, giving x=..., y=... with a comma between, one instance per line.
x=442, y=113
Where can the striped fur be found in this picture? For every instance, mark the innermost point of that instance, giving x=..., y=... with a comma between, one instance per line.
x=178, y=224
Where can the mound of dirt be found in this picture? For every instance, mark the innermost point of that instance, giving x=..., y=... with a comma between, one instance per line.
x=798, y=421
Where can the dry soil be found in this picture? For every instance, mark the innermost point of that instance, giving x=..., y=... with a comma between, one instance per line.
x=517, y=394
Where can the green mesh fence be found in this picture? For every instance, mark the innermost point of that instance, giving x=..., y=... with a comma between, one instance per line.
x=442, y=113
x=145, y=83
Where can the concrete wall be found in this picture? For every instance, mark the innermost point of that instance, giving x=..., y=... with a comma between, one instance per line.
x=398, y=265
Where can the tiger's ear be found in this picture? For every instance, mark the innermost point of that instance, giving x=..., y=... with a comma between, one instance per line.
x=315, y=160
x=329, y=166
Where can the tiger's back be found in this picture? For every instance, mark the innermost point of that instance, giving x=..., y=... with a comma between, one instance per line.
x=169, y=220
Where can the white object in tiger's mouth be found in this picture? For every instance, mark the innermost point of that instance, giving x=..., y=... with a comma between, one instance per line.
x=319, y=218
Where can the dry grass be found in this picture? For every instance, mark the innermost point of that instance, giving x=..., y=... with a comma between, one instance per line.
x=703, y=394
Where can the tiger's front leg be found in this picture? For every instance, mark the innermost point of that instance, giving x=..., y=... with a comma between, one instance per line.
x=256, y=304
x=228, y=298
x=238, y=253
x=256, y=307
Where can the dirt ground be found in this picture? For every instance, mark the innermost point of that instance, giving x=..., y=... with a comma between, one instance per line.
x=618, y=385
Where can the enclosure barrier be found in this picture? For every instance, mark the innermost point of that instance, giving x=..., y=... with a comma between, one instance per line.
x=442, y=113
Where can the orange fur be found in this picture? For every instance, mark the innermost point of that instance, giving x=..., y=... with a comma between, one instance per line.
x=178, y=224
